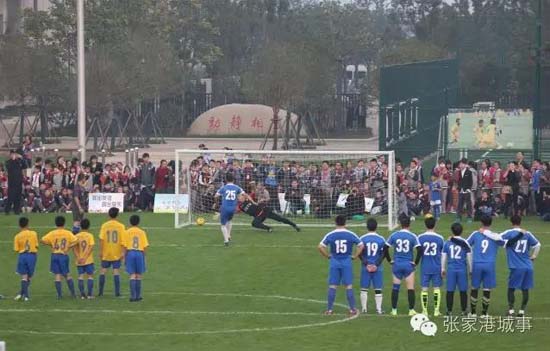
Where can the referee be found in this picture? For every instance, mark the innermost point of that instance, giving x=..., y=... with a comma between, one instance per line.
x=14, y=166
x=261, y=212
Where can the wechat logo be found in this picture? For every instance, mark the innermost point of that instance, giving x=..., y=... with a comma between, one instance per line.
x=420, y=322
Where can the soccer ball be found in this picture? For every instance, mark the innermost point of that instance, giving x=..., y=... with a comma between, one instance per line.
x=200, y=221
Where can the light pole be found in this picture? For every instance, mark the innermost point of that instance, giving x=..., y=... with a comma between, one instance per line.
x=81, y=80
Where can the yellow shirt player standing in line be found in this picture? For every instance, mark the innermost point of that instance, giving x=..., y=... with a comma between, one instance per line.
x=479, y=130
x=135, y=245
x=111, y=235
x=490, y=137
x=26, y=244
x=83, y=252
x=60, y=240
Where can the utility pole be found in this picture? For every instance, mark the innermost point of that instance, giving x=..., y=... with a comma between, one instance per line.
x=538, y=84
x=81, y=80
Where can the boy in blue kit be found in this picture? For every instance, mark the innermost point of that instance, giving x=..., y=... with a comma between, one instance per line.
x=340, y=243
x=430, y=269
x=435, y=196
x=230, y=200
x=372, y=272
x=522, y=248
x=484, y=253
x=25, y=244
x=457, y=257
x=404, y=264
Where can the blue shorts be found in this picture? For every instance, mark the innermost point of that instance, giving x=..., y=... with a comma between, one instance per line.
x=26, y=263
x=457, y=278
x=59, y=264
x=435, y=278
x=484, y=273
x=108, y=264
x=520, y=278
x=86, y=269
x=340, y=272
x=135, y=262
x=226, y=215
x=375, y=278
x=402, y=270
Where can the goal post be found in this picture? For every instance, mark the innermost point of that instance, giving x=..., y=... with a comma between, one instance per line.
x=308, y=187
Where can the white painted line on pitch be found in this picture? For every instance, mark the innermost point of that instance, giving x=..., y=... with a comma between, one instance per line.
x=162, y=312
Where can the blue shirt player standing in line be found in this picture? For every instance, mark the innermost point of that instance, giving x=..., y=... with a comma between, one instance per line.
x=522, y=248
x=404, y=264
x=432, y=244
x=484, y=253
x=230, y=199
x=372, y=272
x=340, y=243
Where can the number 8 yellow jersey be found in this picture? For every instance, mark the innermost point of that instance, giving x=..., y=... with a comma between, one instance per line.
x=135, y=239
x=111, y=236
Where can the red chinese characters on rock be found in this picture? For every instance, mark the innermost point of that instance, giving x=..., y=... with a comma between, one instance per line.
x=257, y=124
x=236, y=122
x=214, y=123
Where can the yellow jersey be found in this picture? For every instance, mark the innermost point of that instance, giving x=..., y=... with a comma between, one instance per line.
x=111, y=235
x=85, y=240
x=61, y=240
x=135, y=239
x=26, y=241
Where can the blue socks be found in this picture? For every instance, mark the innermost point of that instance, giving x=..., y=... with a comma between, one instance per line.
x=138, y=288
x=117, y=285
x=70, y=284
x=24, y=288
x=133, y=289
x=90, y=287
x=351, y=298
x=81, y=287
x=331, y=296
x=101, y=284
x=58, y=289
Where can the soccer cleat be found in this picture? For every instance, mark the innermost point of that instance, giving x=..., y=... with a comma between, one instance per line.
x=298, y=229
x=379, y=312
x=132, y=300
x=472, y=315
x=83, y=297
x=270, y=230
x=464, y=314
x=353, y=312
x=425, y=312
x=329, y=313
x=226, y=244
x=437, y=313
x=26, y=299
x=511, y=313
x=364, y=310
x=18, y=297
x=412, y=313
x=394, y=312
x=521, y=313
x=484, y=316
x=91, y=297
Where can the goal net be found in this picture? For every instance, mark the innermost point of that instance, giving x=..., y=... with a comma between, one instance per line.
x=308, y=187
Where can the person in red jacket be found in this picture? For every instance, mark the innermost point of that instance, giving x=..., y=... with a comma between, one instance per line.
x=161, y=177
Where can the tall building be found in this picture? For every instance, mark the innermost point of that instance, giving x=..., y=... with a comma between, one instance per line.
x=11, y=11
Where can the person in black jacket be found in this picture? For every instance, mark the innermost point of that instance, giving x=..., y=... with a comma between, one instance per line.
x=261, y=212
x=465, y=182
x=14, y=167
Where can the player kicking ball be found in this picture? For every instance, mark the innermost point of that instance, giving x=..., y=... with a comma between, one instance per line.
x=340, y=243
x=404, y=264
x=25, y=244
x=229, y=194
x=372, y=271
x=135, y=245
x=261, y=213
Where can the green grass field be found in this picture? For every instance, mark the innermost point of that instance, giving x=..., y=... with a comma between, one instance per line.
x=266, y=292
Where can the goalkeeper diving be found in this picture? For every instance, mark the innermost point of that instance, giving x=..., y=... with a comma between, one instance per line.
x=261, y=212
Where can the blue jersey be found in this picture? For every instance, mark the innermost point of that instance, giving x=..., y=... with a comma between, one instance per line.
x=230, y=196
x=484, y=249
x=403, y=243
x=519, y=254
x=457, y=255
x=435, y=191
x=432, y=244
x=373, y=248
x=340, y=243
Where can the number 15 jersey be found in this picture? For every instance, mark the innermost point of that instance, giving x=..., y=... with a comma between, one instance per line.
x=340, y=243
